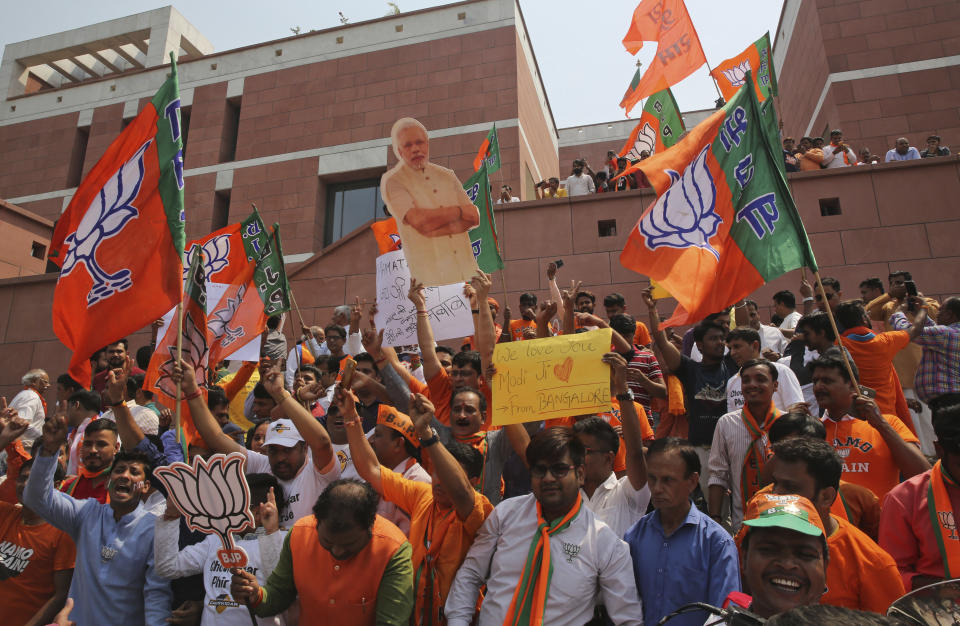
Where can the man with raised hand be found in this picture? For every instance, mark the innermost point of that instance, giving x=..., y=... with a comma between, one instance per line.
x=545, y=557
x=444, y=516
x=114, y=580
x=298, y=449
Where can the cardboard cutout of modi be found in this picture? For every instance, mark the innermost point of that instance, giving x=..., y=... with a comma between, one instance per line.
x=432, y=210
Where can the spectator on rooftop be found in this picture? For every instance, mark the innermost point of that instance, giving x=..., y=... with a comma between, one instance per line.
x=808, y=157
x=903, y=151
x=791, y=162
x=624, y=183
x=817, y=142
x=934, y=149
x=550, y=188
x=506, y=195
x=838, y=154
x=867, y=158
x=580, y=182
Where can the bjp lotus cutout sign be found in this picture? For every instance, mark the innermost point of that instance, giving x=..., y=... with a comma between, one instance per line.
x=214, y=498
x=432, y=210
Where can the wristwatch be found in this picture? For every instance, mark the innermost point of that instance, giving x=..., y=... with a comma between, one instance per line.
x=625, y=397
x=434, y=438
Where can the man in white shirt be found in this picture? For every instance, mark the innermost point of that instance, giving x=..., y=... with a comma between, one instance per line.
x=902, y=151
x=82, y=408
x=296, y=450
x=617, y=502
x=590, y=563
x=744, y=345
x=838, y=154
x=771, y=339
x=785, y=306
x=30, y=404
x=580, y=183
x=506, y=195
x=739, y=448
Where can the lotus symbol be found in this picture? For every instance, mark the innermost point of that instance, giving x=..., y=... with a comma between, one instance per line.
x=684, y=216
x=219, y=321
x=216, y=255
x=737, y=75
x=196, y=353
x=646, y=140
x=105, y=218
x=212, y=494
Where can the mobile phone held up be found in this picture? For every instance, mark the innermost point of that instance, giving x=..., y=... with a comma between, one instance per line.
x=911, y=288
x=558, y=263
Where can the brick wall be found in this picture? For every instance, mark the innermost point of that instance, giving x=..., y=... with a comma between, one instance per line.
x=893, y=216
x=35, y=155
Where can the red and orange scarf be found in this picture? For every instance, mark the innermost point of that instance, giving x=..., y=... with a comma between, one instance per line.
x=756, y=456
x=530, y=598
x=479, y=442
x=943, y=519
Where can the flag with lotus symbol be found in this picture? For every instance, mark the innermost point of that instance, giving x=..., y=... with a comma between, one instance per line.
x=241, y=314
x=659, y=127
x=119, y=242
x=757, y=59
x=195, y=348
x=724, y=222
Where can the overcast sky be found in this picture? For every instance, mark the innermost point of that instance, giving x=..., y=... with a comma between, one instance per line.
x=584, y=66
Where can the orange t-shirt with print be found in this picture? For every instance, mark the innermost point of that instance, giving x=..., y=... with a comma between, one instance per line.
x=867, y=460
x=430, y=524
x=852, y=586
x=29, y=555
x=517, y=326
x=612, y=418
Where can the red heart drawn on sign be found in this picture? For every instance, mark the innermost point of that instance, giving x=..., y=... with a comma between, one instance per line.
x=562, y=370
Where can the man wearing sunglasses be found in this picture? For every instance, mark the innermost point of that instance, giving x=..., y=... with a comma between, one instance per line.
x=553, y=531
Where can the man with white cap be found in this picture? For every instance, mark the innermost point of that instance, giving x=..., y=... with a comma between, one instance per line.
x=297, y=450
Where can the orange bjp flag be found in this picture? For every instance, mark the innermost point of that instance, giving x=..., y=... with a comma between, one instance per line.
x=679, y=52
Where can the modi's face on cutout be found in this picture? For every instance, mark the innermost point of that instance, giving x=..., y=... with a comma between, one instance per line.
x=413, y=146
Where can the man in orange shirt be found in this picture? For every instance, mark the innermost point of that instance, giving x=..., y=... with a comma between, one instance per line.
x=873, y=354
x=444, y=516
x=528, y=320
x=615, y=304
x=36, y=560
x=860, y=574
x=875, y=448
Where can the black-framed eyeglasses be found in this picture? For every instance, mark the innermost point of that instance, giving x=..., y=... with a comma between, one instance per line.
x=558, y=470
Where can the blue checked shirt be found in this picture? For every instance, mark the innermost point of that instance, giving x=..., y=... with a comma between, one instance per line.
x=939, y=369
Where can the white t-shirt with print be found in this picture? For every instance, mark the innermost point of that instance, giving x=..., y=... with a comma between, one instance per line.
x=301, y=491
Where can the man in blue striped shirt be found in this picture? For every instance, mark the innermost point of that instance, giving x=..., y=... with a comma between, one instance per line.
x=679, y=554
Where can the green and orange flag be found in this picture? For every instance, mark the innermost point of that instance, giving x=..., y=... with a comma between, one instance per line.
x=241, y=314
x=724, y=222
x=757, y=59
x=483, y=236
x=195, y=348
x=658, y=128
x=119, y=243
x=489, y=153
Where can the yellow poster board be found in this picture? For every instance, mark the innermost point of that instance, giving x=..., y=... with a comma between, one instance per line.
x=552, y=377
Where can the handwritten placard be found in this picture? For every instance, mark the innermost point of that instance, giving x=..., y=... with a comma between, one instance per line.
x=449, y=309
x=553, y=377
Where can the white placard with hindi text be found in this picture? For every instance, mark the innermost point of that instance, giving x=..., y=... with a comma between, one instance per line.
x=449, y=309
x=249, y=351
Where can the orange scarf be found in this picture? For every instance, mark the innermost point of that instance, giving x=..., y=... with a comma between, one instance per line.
x=756, y=456
x=942, y=519
x=530, y=598
x=839, y=508
x=845, y=153
x=479, y=442
x=425, y=578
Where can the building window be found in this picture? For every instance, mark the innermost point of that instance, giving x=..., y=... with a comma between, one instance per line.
x=350, y=206
x=607, y=228
x=231, y=126
x=221, y=209
x=38, y=250
x=829, y=206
